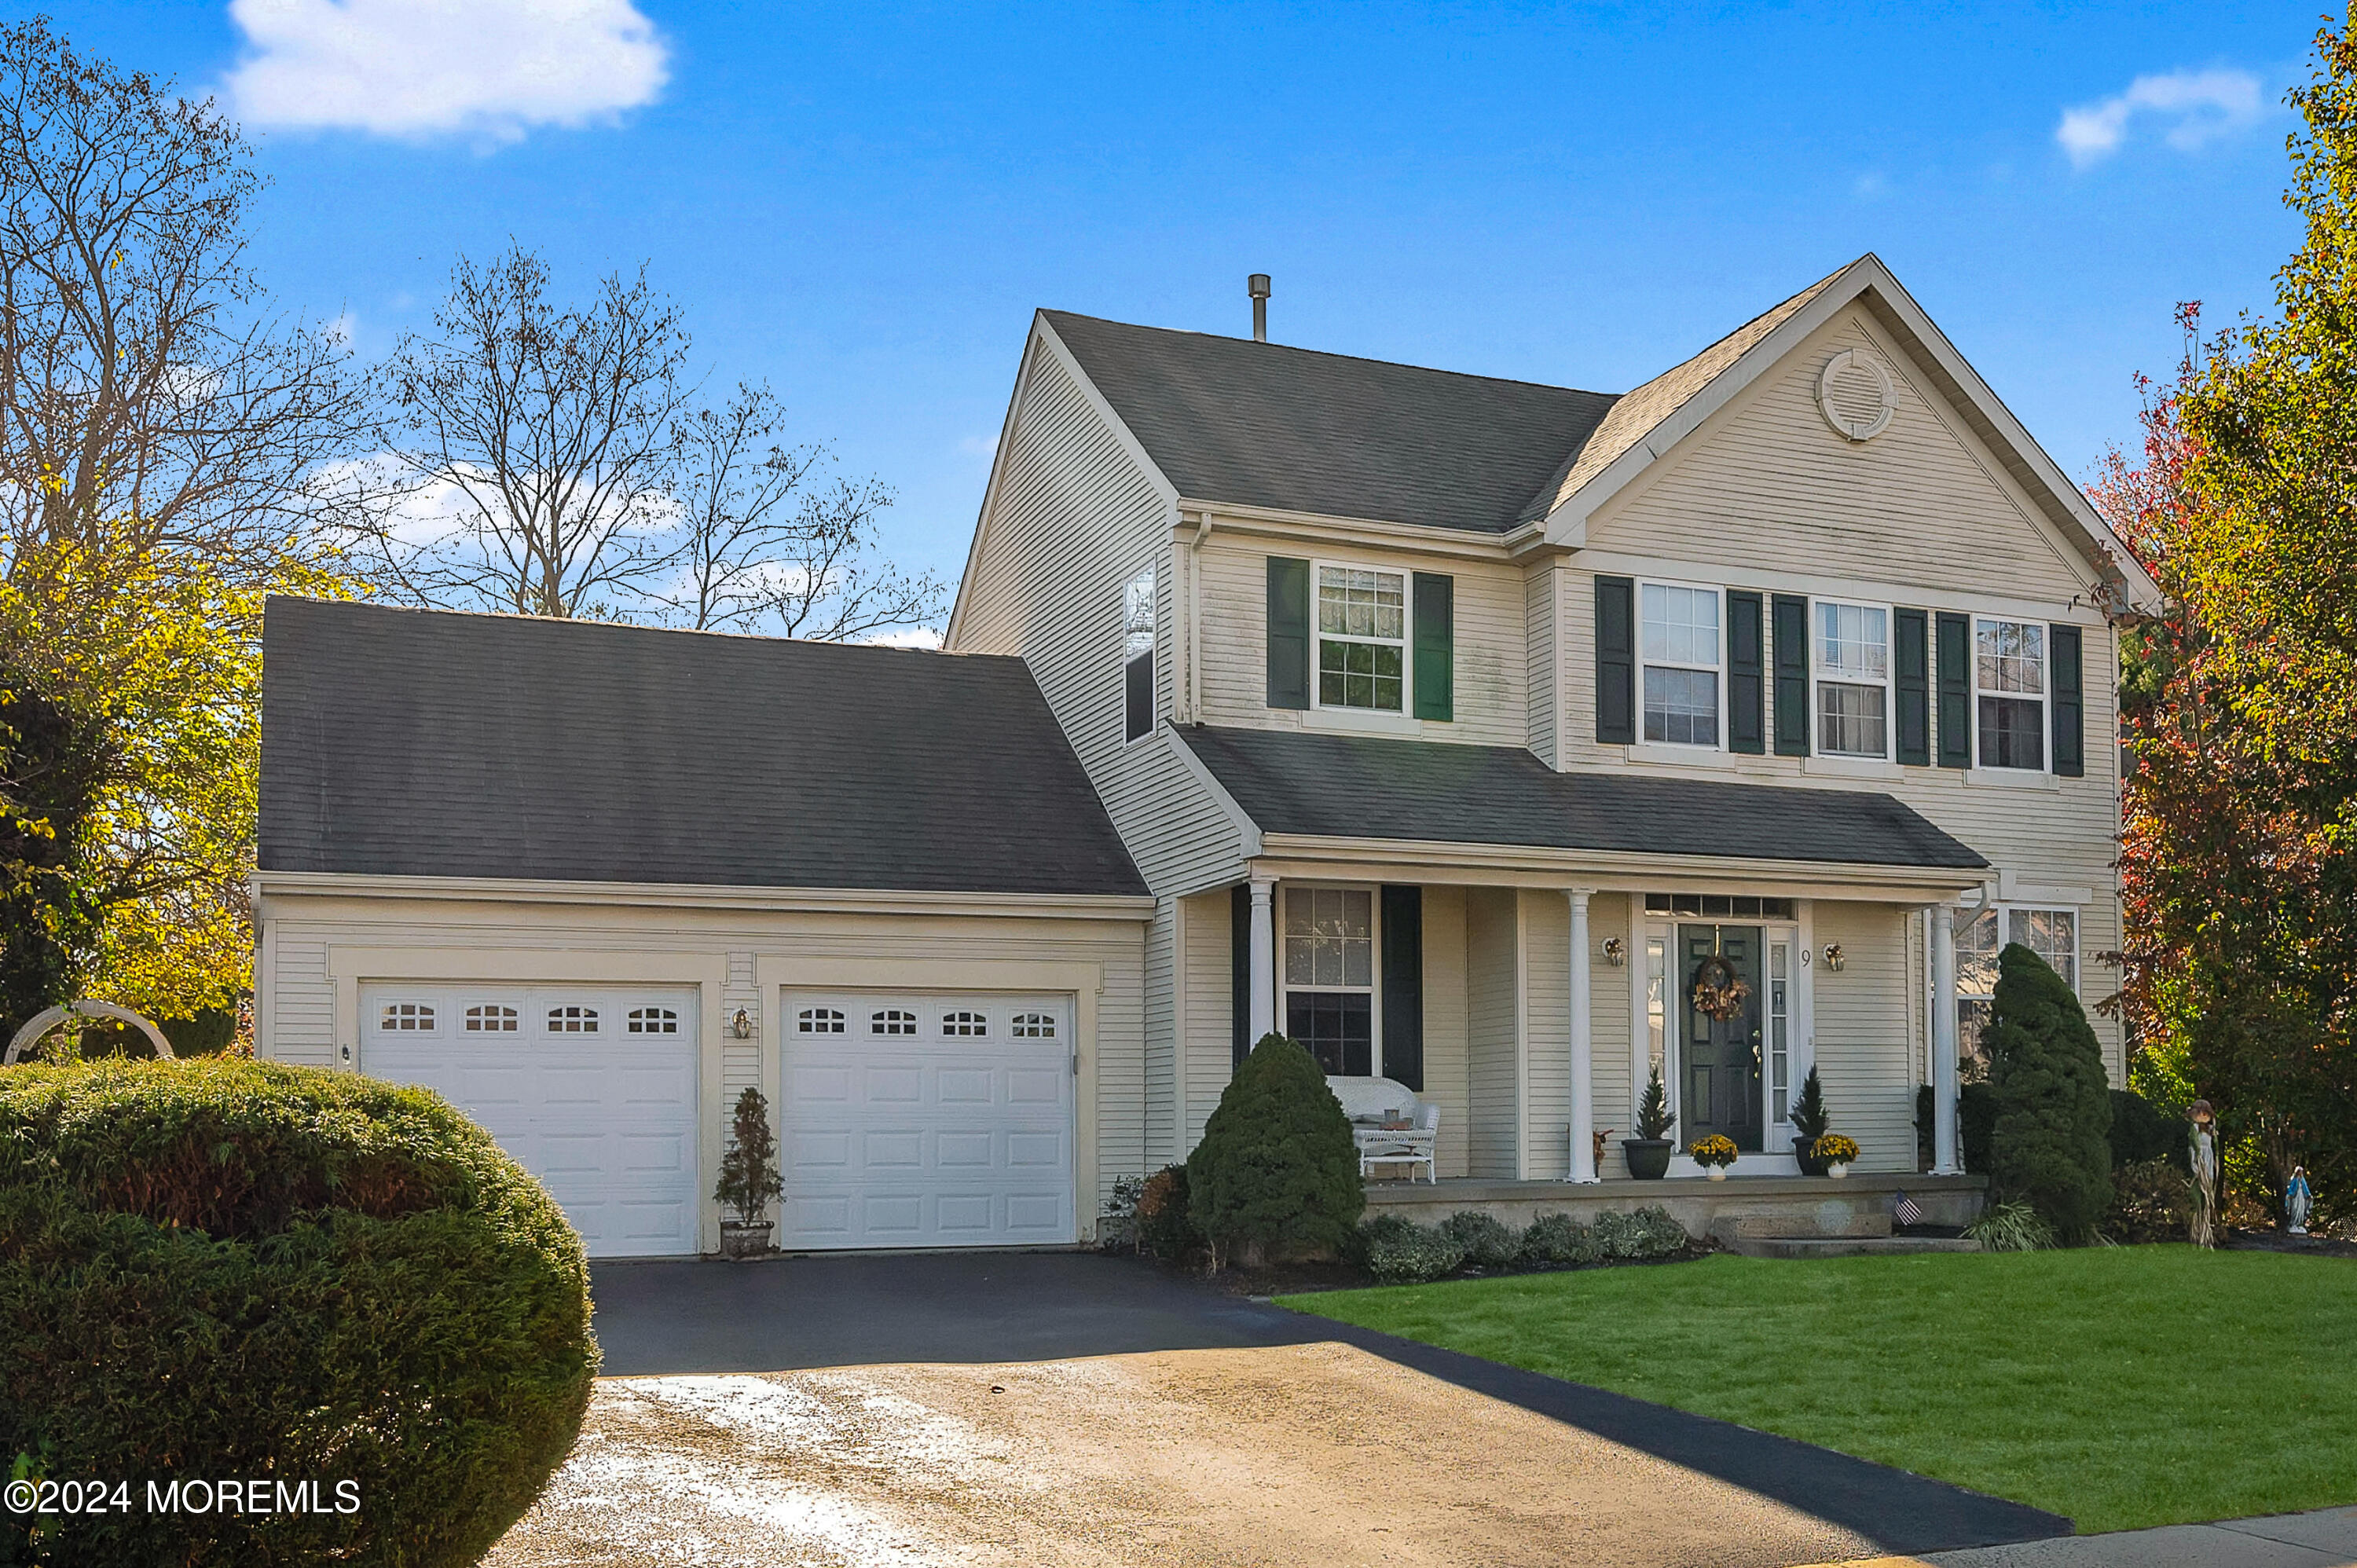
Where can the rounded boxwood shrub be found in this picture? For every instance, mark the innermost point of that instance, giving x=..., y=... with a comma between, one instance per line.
x=1483, y=1239
x=1278, y=1172
x=1650, y=1232
x=2051, y=1146
x=1557, y=1240
x=226, y=1270
x=1400, y=1252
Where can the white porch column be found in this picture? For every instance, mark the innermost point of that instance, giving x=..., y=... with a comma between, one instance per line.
x=1944, y=1040
x=1583, y=1047
x=1264, y=961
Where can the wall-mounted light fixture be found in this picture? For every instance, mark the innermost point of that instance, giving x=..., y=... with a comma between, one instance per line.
x=741, y=1026
x=1616, y=952
x=1833, y=957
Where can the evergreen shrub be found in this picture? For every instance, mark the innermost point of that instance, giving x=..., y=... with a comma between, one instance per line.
x=1557, y=1240
x=1399, y=1251
x=2141, y=1132
x=223, y=1270
x=2051, y=1146
x=1165, y=1229
x=1649, y=1232
x=1277, y=1174
x=1483, y=1239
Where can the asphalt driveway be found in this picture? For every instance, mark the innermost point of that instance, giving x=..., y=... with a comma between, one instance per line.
x=1061, y=1408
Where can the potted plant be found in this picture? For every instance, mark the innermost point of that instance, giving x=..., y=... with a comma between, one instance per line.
x=749, y=1178
x=1649, y=1151
x=1714, y=1154
x=1835, y=1152
x=1809, y=1123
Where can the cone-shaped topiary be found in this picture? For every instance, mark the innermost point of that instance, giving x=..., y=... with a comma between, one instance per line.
x=1278, y=1172
x=749, y=1179
x=1810, y=1118
x=1653, y=1118
x=2050, y=1147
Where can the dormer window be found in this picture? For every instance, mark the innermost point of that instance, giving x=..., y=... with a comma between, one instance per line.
x=1361, y=638
x=1678, y=640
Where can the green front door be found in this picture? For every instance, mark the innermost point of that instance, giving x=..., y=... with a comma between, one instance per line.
x=1722, y=1055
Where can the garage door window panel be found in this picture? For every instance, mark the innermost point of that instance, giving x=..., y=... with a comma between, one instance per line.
x=819, y=1021
x=573, y=1020
x=892, y=1021
x=966, y=1025
x=406, y=1018
x=490, y=1020
x=653, y=1021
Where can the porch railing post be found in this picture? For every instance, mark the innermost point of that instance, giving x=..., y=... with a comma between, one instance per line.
x=1943, y=1041
x=1263, y=960
x=1583, y=1046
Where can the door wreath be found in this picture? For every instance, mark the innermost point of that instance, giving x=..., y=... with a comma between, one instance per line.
x=1718, y=991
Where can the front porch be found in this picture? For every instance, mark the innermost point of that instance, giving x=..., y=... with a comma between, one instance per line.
x=1780, y=1206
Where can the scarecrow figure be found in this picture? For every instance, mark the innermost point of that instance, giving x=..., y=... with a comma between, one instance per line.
x=2297, y=1200
x=2205, y=1175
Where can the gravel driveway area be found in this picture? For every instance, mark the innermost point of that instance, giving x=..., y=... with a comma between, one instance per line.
x=1299, y=1454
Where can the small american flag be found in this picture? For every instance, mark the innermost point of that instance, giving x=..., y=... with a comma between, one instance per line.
x=1904, y=1209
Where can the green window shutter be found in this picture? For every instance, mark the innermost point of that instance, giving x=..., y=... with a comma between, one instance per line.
x=1616, y=661
x=2069, y=704
x=1403, y=966
x=1955, y=684
x=1435, y=628
x=1747, y=715
x=1288, y=633
x=1912, y=668
x=1792, y=612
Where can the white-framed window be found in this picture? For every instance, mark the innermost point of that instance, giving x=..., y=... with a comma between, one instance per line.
x=1361, y=638
x=892, y=1021
x=1657, y=1010
x=652, y=1021
x=2009, y=694
x=1328, y=976
x=2052, y=934
x=1678, y=645
x=1853, y=649
x=964, y=1025
x=573, y=1020
x=1780, y=1029
x=1137, y=654
x=819, y=1021
x=1033, y=1027
x=490, y=1019
x=406, y=1016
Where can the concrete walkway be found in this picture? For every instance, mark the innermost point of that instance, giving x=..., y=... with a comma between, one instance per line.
x=2324, y=1538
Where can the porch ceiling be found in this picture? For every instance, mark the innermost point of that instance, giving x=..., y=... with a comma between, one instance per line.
x=1300, y=784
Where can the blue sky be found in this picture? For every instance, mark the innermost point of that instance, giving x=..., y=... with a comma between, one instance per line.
x=863, y=204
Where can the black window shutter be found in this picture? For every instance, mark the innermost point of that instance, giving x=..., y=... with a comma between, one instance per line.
x=1912, y=668
x=1792, y=612
x=1288, y=632
x=1955, y=682
x=1616, y=662
x=1747, y=715
x=2069, y=704
x=1435, y=628
x=1403, y=985
x=1239, y=969
x=1139, y=681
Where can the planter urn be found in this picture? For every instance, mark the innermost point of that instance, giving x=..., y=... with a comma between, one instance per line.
x=739, y=1242
x=1717, y=1172
x=1649, y=1158
x=1810, y=1165
x=1838, y=1169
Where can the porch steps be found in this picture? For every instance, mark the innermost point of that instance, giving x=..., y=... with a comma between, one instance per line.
x=1843, y=1246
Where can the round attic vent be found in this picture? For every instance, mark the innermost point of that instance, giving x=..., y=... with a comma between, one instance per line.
x=1856, y=395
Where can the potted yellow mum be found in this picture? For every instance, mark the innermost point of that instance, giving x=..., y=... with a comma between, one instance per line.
x=1714, y=1154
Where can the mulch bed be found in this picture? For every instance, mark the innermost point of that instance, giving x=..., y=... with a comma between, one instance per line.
x=2273, y=1240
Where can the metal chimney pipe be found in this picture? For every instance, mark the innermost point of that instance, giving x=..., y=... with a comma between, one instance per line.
x=1258, y=284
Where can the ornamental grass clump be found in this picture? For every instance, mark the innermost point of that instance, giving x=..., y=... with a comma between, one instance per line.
x=2051, y=1146
x=225, y=1270
x=2011, y=1228
x=1277, y=1174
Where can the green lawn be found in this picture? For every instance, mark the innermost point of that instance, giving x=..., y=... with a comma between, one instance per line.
x=2122, y=1386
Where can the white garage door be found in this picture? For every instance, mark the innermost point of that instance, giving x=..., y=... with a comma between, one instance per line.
x=932, y=1118
x=592, y=1089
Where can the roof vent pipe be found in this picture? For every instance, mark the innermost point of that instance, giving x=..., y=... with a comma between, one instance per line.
x=1258, y=284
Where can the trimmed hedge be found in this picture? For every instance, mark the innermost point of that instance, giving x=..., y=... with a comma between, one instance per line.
x=1277, y=1174
x=224, y=1270
x=1397, y=1250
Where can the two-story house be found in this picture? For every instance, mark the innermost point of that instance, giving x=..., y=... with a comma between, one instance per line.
x=1509, y=741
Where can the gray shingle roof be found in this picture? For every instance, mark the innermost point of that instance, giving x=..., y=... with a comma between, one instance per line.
x=418, y=743
x=1291, y=782
x=1227, y=419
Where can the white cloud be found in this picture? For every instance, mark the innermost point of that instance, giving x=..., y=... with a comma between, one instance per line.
x=491, y=69
x=2198, y=106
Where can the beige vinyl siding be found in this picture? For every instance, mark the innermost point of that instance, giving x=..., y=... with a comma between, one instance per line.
x=1491, y=656
x=1073, y=517
x=1539, y=613
x=1448, y=1059
x=1211, y=1009
x=301, y=1004
x=1546, y=1032
x=740, y=1060
x=1861, y=1021
x=1493, y=1031
x=1608, y=1026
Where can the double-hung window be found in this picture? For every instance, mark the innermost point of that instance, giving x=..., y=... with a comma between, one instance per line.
x=1853, y=679
x=1329, y=976
x=2010, y=684
x=1138, y=653
x=2052, y=934
x=1361, y=638
x=1678, y=640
